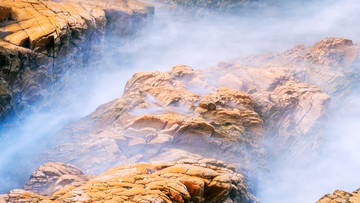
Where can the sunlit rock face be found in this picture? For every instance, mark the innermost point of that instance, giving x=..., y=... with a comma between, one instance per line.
x=195, y=122
x=51, y=177
x=160, y=114
x=183, y=181
x=42, y=42
x=233, y=112
x=341, y=196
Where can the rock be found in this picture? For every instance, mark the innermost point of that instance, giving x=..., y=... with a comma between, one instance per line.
x=150, y=182
x=51, y=177
x=294, y=113
x=4, y=13
x=19, y=195
x=5, y=101
x=331, y=64
x=291, y=90
x=44, y=41
x=151, y=119
x=341, y=196
x=198, y=120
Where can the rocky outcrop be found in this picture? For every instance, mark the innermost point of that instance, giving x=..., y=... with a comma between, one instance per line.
x=279, y=84
x=238, y=112
x=41, y=42
x=341, y=196
x=183, y=181
x=292, y=111
x=331, y=64
x=182, y=113
x=160, y=112
x=51, y=177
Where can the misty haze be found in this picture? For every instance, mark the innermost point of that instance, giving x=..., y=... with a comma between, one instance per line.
x=179, y=101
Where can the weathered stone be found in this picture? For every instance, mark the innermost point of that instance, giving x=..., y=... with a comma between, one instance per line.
x=185, y=115
x=341, y=196
x=41, y=42
x=226, y=128
x=50, y=177
x=154, y=182
x=4, y=13
x=280, y=85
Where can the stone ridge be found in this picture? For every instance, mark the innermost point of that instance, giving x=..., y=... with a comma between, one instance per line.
x=331, y=64
x=182, y=181
x=43, y=41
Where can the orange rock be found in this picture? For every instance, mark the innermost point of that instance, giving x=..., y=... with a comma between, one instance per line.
x=227, y=115
x=154, y=182
x=4, y=13
x=51, y=34
x=341, y=196
x=50, y=177
x=279, y=84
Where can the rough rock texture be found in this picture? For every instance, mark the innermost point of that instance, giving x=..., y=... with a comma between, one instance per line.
x=183, y=181
x=183, y=113
x=43, y=41
x=341, y=197
x=280, y=86
x=160, y=112
x=20, y=195
x=50, y=177
x=240, y=112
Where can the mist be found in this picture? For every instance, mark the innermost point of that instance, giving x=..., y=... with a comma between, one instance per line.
x=201, y=41
x=335, y=167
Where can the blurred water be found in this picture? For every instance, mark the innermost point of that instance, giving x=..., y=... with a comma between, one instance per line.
x=201, y=42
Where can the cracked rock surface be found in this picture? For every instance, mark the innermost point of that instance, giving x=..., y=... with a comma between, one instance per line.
x=161, y=112
x=50, y=177
x=182, y=181
x=195, y=121
x=340, y=196
x=44, y=41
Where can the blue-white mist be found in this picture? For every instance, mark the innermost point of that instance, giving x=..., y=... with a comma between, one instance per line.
x=201, y=42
